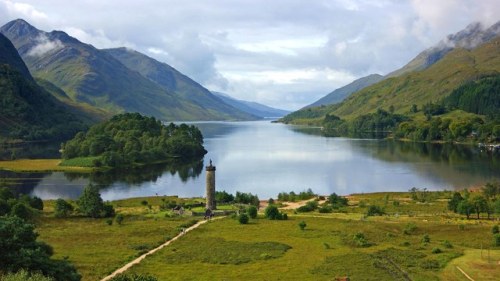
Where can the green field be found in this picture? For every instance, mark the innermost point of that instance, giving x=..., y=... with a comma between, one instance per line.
x=329, y=247
x=40, y=165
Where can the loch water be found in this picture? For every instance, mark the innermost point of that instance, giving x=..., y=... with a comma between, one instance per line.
x=265, y=158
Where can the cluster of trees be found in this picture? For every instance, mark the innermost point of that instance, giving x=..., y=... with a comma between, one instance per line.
x=467, y=203
x=481, y=96
x=379, y=122
x=240, y=198
x=89, y=204
x=333, y=202
x=21, y=254
x=132, y=138
x=292, y=196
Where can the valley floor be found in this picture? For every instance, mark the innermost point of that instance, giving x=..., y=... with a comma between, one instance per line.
x=414, y=241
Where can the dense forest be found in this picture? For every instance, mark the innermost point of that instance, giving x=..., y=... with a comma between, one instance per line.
x=131, y=138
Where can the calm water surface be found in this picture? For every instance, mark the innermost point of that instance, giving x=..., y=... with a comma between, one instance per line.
x=265, y=159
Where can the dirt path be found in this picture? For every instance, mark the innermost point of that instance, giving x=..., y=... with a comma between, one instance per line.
x=465, y=274
x=139, y=259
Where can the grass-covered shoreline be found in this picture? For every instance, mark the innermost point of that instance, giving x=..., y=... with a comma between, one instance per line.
x=41, y=165
x=276, y=250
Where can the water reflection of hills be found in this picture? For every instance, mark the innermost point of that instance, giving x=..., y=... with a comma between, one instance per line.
x=185, y=171
x=70, y=185
x=30, y=151
x=459, y=165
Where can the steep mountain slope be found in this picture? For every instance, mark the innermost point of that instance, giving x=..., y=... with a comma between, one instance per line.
x=174, y=81
x=430, y=85
x=96, y=78
x=27, y=111
x=472, y=36
x=341, y=93
x=253, y=108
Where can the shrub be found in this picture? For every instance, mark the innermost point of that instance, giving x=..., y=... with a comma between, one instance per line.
x=4, y=207
x=337, y=201
x=325, y=209
x=302, y=225
x=243, y=218
x=375, y=210
x=144, y=203
x=270, y=201
x=62, y=208
x=436, y=250
x=360, y=240
x=108, y=211
x=284, y=216
x=426, y=238
x=496, y=239
x=447, y=244
x=252, y=212
x=23, y=275
x=109, y=221
x=21, y=211
x=495, y=229
x=90, y=202
x=119, y=219
x=410, y=228
x=272, y=213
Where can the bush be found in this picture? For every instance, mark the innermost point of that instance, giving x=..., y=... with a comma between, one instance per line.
x=360, y=240
x=243, y=218
x=436, y=250
x=337, y=201
x=4, y=207
x=447, y=244
x=426, y=238
x=375, y=210
x=272, y=213
x=302, y=225
x=496, y=239
x=252, y=212
x=119, y=219
x=62, y=208
x=23, y=275
x=109, y=221
x=284, y=216
x=22, y=211
x=495, y=229
x=410, y=228
x=429, y=264
x=325, y=209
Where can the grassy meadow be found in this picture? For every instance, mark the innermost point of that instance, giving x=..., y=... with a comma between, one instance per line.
x=413, y=241
x=40, y=165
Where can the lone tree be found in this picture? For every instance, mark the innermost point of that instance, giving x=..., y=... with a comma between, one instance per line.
x=90, y=203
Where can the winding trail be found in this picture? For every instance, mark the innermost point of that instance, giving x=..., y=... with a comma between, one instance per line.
x=139, y=259
x=465, y=274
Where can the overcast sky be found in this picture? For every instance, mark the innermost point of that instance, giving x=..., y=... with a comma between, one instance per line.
x=283, y=53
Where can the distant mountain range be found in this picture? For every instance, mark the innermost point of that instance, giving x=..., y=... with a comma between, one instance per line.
x=253, y=108
x=114, y=80
x=430, y=77
x=472, y=36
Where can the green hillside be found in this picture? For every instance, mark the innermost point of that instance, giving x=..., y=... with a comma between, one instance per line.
x=422, y=87
x=29, y=113
x=174, y=81
x=95, y=78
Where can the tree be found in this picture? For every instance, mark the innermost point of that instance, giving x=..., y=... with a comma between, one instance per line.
x=62, y=208
x=337, y=201
x=271, y=212
x=454, y=201
x=4, y=207
x=465, y=208
x=252, y=212
x=243, y=218
x=490, y=190
x=22, y=211
x=302, y=225
x=90, y=203
x=20, y=250
x=119, y=219
x=479, y=204
x=375, y=210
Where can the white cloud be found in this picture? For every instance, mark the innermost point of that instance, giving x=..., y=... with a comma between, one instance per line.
x=44, y=45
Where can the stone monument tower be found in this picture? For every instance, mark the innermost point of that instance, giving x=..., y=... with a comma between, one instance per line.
x=210, y=186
